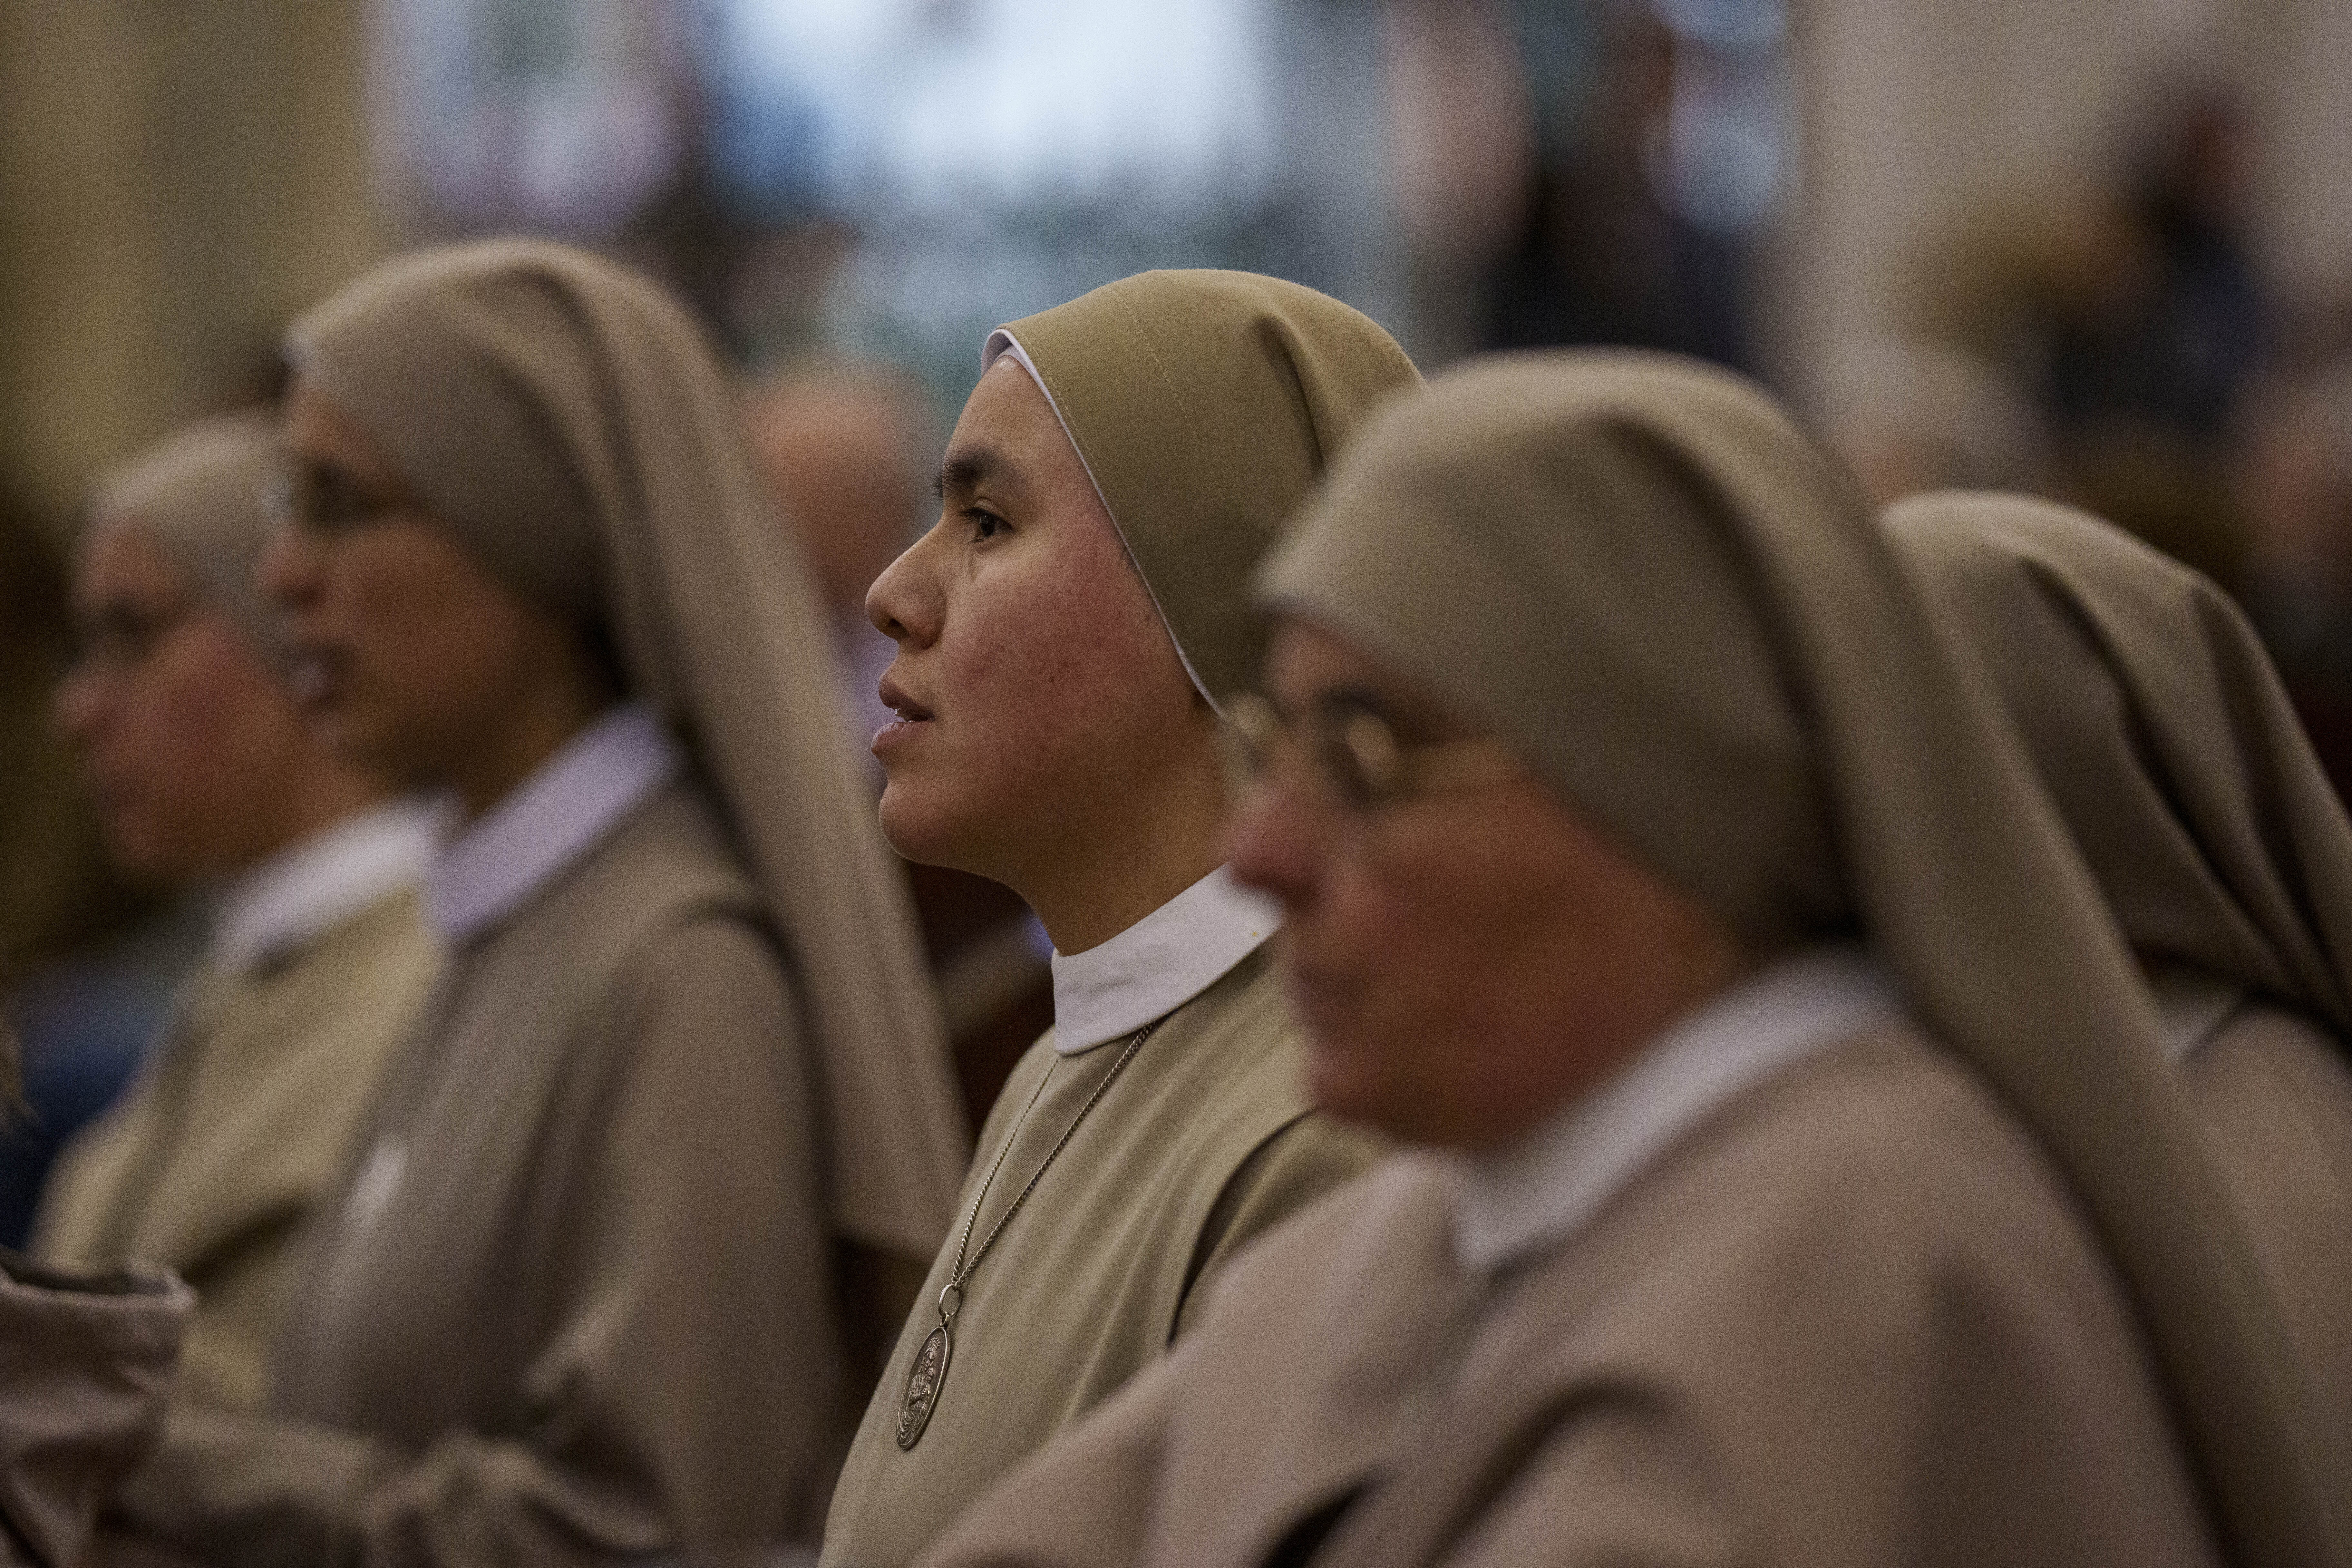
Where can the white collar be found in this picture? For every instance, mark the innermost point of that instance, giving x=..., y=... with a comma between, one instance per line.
x=307, y=889
x=491, y=867
x=1002, y=344
x=1160, y=963
x=2192, y=1005
x=1553, y=1181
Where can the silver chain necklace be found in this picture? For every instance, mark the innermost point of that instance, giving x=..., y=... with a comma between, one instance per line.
x=930, y=1372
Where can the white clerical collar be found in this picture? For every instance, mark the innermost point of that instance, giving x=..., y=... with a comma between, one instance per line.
x=2192, y=1005
x=308, y=888
x=1160, y=963
x=1553, y=1182
x=491, y=867
x=1002, y=344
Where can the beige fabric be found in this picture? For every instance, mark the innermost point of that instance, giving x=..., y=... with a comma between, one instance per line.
x=86, y=1365
x=567, y=420
x=1636, y=571
x=577, y=1302
x=1204, y=1141
x=2162, y=734
x=237, y=1131
x=1852, y=1321
x=1205, y=405
x=196, y=496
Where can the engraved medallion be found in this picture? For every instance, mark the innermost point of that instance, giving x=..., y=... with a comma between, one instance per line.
x=929, y=1371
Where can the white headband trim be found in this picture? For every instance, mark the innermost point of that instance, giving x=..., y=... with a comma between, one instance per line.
x=1002, y=344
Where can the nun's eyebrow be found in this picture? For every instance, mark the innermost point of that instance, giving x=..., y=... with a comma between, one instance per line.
x=967, y=469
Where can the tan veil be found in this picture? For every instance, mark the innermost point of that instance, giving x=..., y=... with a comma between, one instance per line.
x=570, y=423
x=1204, y=405
x=1635, y=570
x=2163, y=736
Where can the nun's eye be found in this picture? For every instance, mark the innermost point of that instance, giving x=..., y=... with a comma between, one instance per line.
x=985, y=524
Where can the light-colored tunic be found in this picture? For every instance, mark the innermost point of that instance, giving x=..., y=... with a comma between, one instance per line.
x=1847, y=1318
x=1204, y=1141
x=241, y=1124
x=577, y=1303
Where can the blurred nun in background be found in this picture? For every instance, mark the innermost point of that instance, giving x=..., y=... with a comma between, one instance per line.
x=317, y=963
x=591, y=1289
x=2163, y=736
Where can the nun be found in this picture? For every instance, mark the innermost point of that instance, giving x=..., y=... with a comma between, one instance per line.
x=1797, y=1177
x=238, y=1126
x=1068, y=634
x=583, y=1295
x=2158, y=729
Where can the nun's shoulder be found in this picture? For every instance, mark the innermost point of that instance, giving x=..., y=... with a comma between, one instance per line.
x=1388, y=1226
x=669, y=859
x=1873, y=1199
x=667, y=866
x=1887, y=1141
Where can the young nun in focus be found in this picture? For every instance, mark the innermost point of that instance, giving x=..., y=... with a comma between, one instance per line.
x=1800, y=1179
x=2163, y=735
x=579, y=1300
x=1065, y=632
x=240, y=1124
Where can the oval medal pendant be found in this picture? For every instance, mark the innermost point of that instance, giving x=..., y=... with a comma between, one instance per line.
x=923, y=1380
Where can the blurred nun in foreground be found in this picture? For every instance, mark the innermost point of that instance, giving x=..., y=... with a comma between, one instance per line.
x=2164, y=738
x=1801, y=1180
x=581, y=1296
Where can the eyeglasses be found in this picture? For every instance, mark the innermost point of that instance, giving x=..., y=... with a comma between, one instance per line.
x=1356, y=759
x=123, y=636
x=321, y=499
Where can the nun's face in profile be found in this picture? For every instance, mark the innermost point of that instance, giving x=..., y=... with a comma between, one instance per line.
x=411, y=658
x=1468, y=956
x=189, y=742
x=1037, y=690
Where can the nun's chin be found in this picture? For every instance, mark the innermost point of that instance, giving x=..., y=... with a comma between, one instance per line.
x=918, y=824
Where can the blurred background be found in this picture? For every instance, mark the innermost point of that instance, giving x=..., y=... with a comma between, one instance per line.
x=2099, y=249
x=2076, y=237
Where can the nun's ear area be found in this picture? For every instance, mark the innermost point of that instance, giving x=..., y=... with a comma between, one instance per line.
x=1205, y=405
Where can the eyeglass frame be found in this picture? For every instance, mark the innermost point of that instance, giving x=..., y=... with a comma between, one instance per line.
x=290, y=497
x=119, y=640
x=1379, y=771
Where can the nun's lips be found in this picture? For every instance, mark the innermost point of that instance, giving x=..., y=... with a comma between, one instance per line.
x=913, y=716
x=315, y=674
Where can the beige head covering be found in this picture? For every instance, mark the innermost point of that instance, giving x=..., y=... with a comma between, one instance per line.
x=1635, y=570
x=2163, y=736
x=567, y=421
x=1205, y=405
x=196, y=497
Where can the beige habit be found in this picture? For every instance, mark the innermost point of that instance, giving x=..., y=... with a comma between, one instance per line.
x=2163, y=736
x=1203, y=405
x=1943, y=1278
x=85, y=1363
x=577, y=1299
x=240, y=1124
